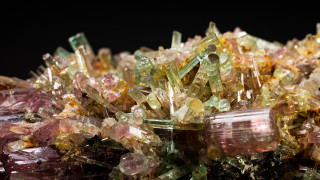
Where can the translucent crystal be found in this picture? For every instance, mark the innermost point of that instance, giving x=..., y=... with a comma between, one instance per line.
x=220, y=104
x=205, y=42
x=128, y=77
x=136, y=95
x=214, y=75
x=105, y=57
x=212, y=29
x=200, y=109
x=138, y=114
x=84, y=62
x=243, y=132
x=183, y=115
x=200, y=79
x=80, y=40
x=285, y=76
x=133, y=163
x=175, y=173
x=60, y=51
x=192, y=63
x=176, y=40
x=155, y=105
x=152, y=83
x=143, y=64
x=174, y=79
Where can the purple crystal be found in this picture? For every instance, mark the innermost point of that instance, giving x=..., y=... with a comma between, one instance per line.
x=46, y=133
x=37, y=100
x=243, y=132
x=45, y=163
x=22, y=162
x=109, y=81
x=14, y=100
x=14, y=118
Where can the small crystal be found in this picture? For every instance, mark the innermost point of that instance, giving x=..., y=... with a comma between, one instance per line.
x=80, y=40
x=133, y=163
x=174, y=80
x=176, y=40
x=192, y=63
x=105, y=57
x=136, y=95
x=200, y=79
x=128, y=77
x=60, y=51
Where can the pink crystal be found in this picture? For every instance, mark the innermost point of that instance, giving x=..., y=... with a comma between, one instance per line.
x=243, y=132
x=134, y=163
x=46, y=133
x=14, y=100
x=26, y=160
x=109, y=81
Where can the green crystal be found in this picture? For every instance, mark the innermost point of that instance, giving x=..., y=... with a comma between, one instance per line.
x=124, y=117
x=152, y=83
x=78, y=40
x=200, y=173
x=175, y=173
x=201, y=78
x=163, y=98
x=219, y=104
x=265, y=93
x=143, y=67
x=257, y=43
x=192, y=63
x=276, y=93
x=212, y=29
x=155, y=105
x=226, y=64
x=153, y=101
x=205, y=42
x=71, y=71
x=136, y=95
x=176, y=40
x=214, y=75
x=144, y=64
x=285, y=76
x=60, y=51
x=174, y=79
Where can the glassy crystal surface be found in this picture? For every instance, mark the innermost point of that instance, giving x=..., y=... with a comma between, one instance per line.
x=227, y=105
x=243, y=132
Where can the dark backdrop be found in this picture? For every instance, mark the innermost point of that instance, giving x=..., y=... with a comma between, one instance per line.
x=30, y=30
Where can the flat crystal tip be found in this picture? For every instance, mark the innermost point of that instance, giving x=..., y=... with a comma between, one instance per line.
x=212, y=47
x=46, y=56
x=213, y=58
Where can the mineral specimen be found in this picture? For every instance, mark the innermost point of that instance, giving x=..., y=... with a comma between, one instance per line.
x=223, y=106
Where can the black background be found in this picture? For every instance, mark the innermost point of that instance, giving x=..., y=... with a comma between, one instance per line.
x=30, y=30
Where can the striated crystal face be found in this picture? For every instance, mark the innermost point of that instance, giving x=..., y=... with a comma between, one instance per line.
x=243, y=132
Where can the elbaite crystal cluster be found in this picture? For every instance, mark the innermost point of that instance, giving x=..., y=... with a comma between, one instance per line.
x=222, y=106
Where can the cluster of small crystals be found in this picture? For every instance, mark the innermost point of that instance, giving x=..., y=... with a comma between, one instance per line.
x=221, y=105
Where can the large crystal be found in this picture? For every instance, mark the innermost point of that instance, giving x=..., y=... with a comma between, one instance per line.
x=243, y=132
